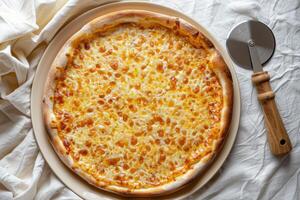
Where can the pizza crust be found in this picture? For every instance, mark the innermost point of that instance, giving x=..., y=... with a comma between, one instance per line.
x=180, y=26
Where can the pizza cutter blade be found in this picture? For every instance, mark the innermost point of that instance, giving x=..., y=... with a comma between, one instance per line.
x=250, y=45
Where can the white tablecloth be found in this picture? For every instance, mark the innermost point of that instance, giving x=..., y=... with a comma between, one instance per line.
x=250, y=172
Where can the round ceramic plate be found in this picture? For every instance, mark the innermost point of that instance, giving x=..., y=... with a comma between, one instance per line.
x=70, y=179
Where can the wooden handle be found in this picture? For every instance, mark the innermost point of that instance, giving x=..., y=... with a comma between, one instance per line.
x=279, y=140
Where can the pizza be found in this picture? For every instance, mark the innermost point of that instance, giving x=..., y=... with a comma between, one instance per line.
x=138, y=103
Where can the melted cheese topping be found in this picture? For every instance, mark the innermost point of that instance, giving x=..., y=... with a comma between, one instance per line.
x=137, y=107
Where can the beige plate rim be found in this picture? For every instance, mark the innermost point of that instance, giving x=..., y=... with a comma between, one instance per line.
x=70, y=179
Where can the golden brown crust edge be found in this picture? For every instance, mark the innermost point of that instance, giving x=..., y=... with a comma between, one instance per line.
x=222, y=71
x=113, y=19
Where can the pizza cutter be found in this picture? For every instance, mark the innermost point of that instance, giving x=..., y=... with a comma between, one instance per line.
x=250, y=45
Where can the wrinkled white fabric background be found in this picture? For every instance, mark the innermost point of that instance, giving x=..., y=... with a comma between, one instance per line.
x=250, y=172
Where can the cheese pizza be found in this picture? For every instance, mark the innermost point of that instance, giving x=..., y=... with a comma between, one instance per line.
x=138, y=103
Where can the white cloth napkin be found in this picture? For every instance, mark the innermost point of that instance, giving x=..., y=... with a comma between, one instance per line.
x=250, y=172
